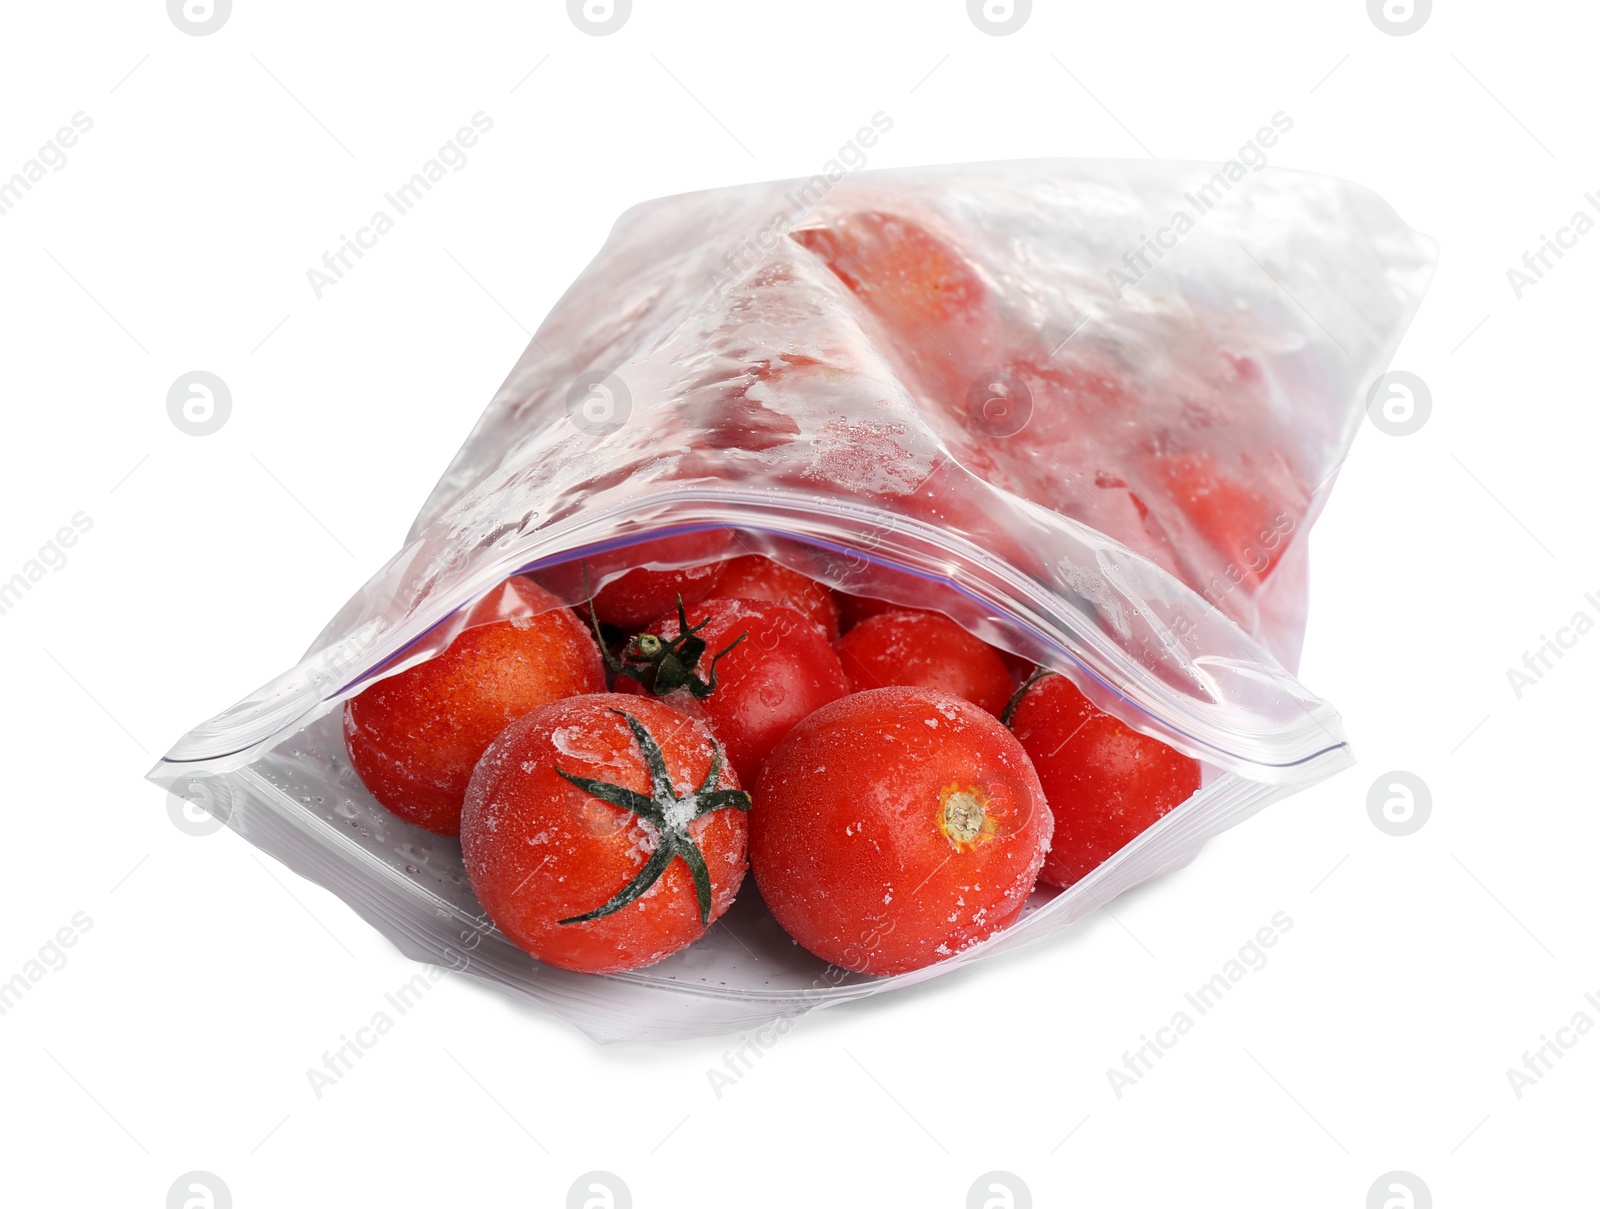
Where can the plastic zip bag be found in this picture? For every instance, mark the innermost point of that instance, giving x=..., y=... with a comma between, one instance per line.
x=977, y=389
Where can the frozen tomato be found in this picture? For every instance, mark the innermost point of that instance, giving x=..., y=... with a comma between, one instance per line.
x=1105, y=781
x=1235, y=516
x=924, y=650
x=853, y=610
x=415, y=737
x=897, y=267
x=938, y=317
x=643, y=594
x=603, y=833
x=754, y=577
x=756, y=667
x=896, y=827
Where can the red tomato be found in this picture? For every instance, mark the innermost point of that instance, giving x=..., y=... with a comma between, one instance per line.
x=897, y=267
x=936, y=312
x=1239, y=520
x=924, y=650
x=415, y=737
x=853, y=610
x=1017, y=667
x=642, y=595
x=896, y=827
x=756, y=578
x=1105, y=781
x=595, y=853
x=781, y=670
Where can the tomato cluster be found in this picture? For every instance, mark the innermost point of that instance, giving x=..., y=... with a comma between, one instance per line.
x=896, y=787
x=1194, y=467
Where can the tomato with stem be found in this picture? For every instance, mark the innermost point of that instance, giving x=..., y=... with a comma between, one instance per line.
x=603, y=833
x=755, y=667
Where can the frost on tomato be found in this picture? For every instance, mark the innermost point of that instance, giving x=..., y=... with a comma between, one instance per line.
x=924, y=650
x=899, y=268
x=1105, y=782
x=896, y=827
x=603, y=833
x=415, y=737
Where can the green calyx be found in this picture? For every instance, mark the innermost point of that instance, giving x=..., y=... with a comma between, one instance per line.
x=669, y=814
x=664, y=665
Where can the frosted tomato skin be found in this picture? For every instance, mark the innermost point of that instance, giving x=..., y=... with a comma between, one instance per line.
x=641, y=595
x=755, y=577
x=539, y=850
x=863, y=837
x=924, y=650
x=415, y=737
x=783, y=670
x=904, y=272
x=1105, y=782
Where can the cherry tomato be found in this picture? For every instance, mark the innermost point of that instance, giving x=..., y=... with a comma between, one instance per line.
x=643, y=594
x=415, y=737
x=754, y=577
x=924, y=650
x=1106, y=782
x=602, y=833
x=898, y=267
x=853, y=610
x=1238, y=519
x=1016, y=666
x=936, y=313
x=772, y=667
x=896, y=827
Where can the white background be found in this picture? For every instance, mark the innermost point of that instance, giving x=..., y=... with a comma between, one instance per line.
x=178, y=236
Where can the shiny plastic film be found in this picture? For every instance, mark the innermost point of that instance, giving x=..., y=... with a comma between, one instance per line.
x=1089, y=410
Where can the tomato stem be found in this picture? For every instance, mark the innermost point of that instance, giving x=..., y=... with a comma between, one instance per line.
x=664, y=665
x=1038, y=674
x=662, y=808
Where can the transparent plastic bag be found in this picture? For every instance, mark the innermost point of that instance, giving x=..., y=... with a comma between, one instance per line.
x=977, y=389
